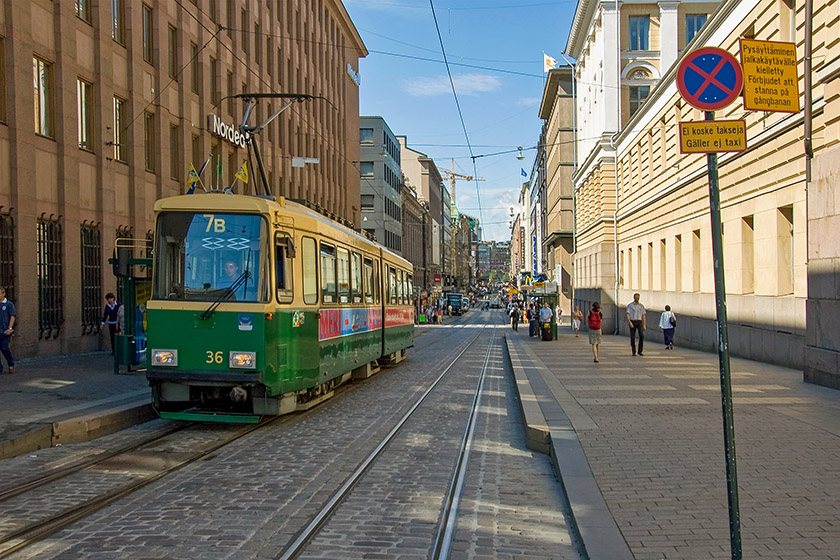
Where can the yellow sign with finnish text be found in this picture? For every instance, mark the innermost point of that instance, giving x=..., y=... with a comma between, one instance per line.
x=713, y=136
x=771, y=81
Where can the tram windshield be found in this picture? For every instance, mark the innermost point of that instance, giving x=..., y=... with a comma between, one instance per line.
x=199, y=256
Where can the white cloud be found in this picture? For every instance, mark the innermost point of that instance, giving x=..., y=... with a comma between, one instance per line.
x=465, y=84
x=528, y=101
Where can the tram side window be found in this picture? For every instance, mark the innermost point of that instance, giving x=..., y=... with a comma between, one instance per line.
x=369, y=282
x=343, y=275
x=356, y=277
x=310, y=271
x=328, y=284
x=283, y=245
x=377, y=286
x=393, y=295
x=410, y=288
x=400, y=288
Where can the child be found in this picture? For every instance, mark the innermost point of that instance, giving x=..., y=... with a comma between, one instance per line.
x=594, y=320
x=577, y=317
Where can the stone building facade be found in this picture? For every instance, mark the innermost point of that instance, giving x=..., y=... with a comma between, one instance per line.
x=381, y=182
x=124, y=96
x=652, y=203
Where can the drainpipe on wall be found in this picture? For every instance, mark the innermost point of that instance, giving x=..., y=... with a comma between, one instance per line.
x=809, y=148
x=574, y=172
x=615, y=165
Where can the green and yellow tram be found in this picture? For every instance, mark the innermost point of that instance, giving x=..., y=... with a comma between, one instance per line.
x=261, y=306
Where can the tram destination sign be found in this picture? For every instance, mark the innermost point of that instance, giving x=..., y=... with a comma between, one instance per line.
x=771, y=82
x=705, y=137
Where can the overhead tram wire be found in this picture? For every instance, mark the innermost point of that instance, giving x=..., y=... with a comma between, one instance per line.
x=460, y=113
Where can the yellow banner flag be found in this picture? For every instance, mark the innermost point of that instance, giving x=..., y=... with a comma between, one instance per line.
x=192, y=175
x=242, y=174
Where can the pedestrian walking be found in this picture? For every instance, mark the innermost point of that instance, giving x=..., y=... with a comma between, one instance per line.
x=577, y=317
x=668, y=323
x=440, y=315
x=637, y=319
x=594, y=323
x=545, y=321
x=514, y=317
x=8, y=317
x=111, y=316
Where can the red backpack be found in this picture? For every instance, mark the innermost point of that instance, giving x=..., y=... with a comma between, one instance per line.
x=594, y=319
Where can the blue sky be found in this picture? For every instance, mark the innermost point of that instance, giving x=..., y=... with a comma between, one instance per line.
x=405, y=82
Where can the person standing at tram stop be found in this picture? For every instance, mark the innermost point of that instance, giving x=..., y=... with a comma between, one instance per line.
x=594, y=323
x=8, y=316
x=577, y=317
x=668, y=323
x=533, y=326
x=637, y=319
x=514, y=317
x=546, y=315
x=111, y=315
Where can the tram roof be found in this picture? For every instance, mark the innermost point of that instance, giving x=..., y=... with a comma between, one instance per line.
x=244, y=203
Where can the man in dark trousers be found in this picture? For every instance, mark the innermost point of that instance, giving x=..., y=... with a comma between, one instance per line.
x=637, y=319
x=111, y=315
x=8, y=316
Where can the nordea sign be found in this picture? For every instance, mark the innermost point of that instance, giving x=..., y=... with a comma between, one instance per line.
x=227, y=131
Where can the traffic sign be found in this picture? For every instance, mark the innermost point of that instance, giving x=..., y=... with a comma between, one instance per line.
x=771, y=82
x=709, y=78
x=713, y=136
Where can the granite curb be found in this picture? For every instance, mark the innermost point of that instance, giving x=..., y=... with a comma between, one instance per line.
x=549, y=430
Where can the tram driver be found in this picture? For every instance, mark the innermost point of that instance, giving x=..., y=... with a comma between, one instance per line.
x=230, y=274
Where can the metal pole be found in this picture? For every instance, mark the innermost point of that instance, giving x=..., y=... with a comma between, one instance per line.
x=723, y=356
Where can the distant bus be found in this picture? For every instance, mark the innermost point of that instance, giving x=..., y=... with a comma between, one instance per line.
x=495, y=301
x=456, y=301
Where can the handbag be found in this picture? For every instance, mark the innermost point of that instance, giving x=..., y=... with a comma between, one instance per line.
x=673, y=321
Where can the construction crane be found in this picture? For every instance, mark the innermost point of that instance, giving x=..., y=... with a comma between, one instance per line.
x=453, y=212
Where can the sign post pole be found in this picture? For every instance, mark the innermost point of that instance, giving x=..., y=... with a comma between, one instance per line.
x=723, y=356
x=709, y=79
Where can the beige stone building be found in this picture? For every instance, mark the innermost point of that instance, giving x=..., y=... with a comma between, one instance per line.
x=660, y=227
x=556, y=156
x=128, y=94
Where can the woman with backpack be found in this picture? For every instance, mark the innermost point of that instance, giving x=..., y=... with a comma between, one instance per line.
x=668, y=323
x=594, y=320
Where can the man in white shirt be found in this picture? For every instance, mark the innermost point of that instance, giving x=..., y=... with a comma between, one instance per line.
x=637, y=319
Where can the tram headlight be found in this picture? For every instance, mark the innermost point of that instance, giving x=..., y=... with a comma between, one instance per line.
x=243, y=360
x=164, y=357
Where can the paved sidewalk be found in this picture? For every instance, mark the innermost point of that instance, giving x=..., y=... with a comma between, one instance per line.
x=650, y=428
x=67, y=399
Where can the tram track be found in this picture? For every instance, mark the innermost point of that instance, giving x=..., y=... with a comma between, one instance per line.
x=447, y=517
x=15, y=538
x=148, y=464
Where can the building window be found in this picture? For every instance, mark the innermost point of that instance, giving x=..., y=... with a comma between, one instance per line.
x=785, y=267
x=44, y=116
x=268, y=50
x=194, y=67
x=196, y=152
x=50, y=302
x=243, y=25
x=91, y=239
x=214, y=82
x=638, y=94
x=257, y=44
x=84, y=113
x=787, y=20
x=693, y=23
x=639, y=33
x=7, y=254
x=366, y=135
x=695, y=260
x=173, y=53
x=119, y=119
x=2, y=80
x=149, y=141
x=229, y=17
x=147, y=34
x=366, y=168
x=212, y=8
x=747, y=255
x=118, y=21
x=367, y=203
x=83, y=10
x=174, y=152
x=230, y=93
